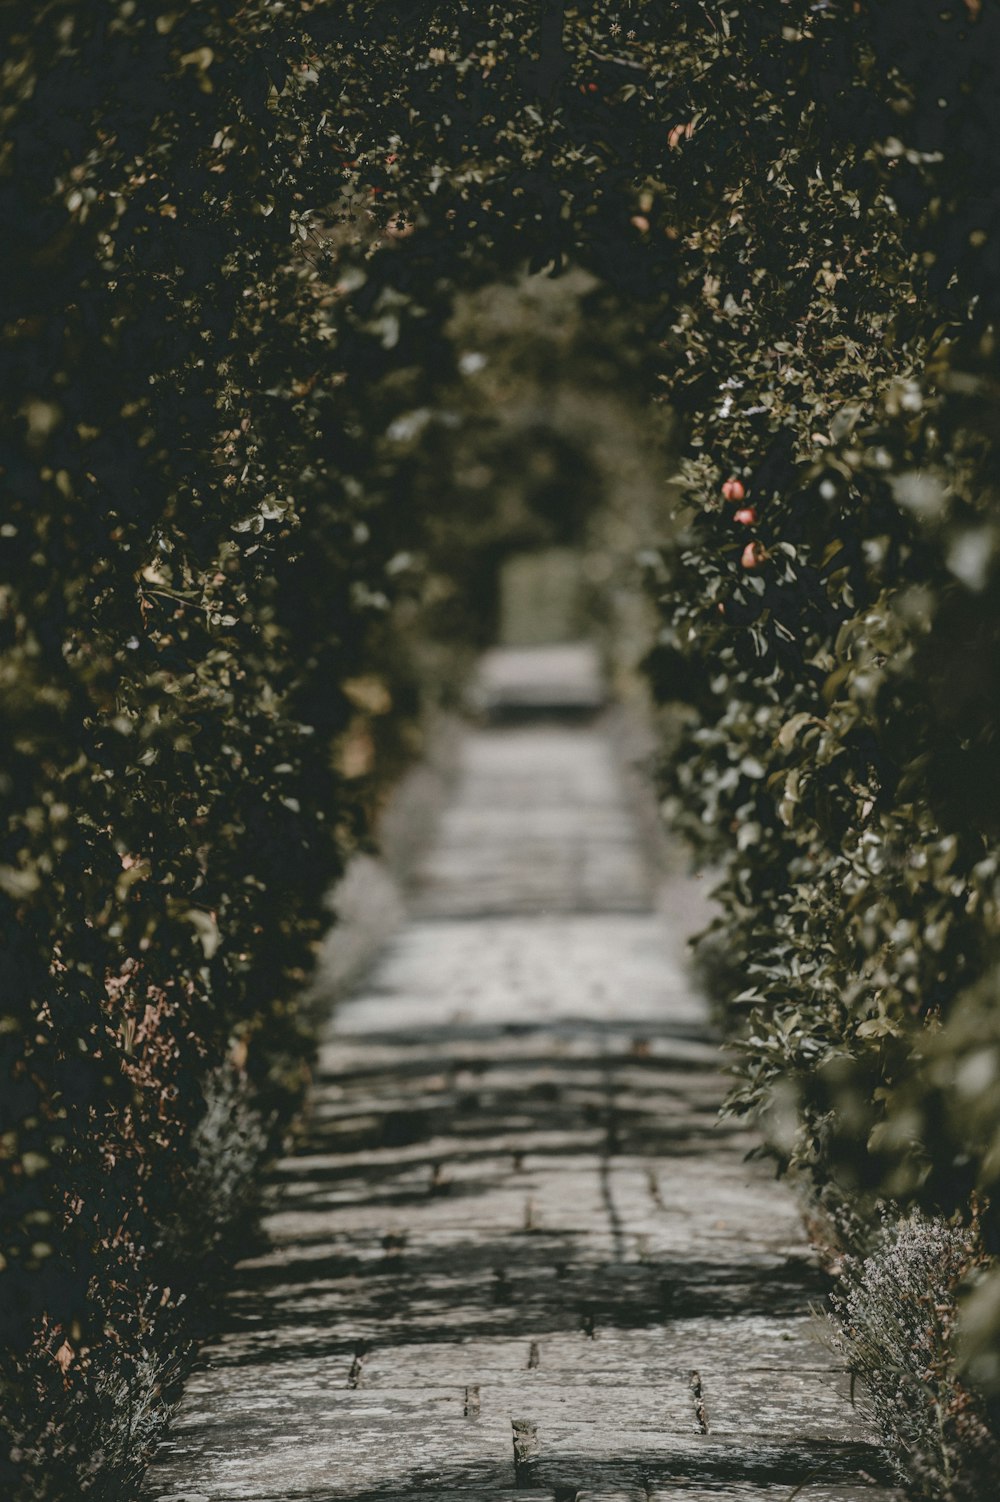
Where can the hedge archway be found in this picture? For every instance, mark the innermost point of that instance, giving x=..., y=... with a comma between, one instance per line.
x=238, y=236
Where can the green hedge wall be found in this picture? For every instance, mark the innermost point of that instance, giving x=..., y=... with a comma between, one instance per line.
x=830, y=620
x=833, y=625
x=211, y=333
x=191, y=579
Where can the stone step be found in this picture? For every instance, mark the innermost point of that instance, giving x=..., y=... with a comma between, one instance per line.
x=515, y=681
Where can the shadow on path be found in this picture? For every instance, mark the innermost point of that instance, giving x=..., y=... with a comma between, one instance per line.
x=517, y=1254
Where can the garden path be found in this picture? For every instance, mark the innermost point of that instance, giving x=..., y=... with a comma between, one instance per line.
x=518, y=1257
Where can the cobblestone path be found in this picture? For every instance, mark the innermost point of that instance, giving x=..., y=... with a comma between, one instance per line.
x=518, y=1257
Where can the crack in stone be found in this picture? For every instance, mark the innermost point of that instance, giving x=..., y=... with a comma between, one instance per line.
x=355, y=1376
x=527, y=1450
x=698, y=1394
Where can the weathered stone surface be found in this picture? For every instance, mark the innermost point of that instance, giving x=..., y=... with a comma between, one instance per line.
x=540, y=824
x=517, y=680
x=518, y=1256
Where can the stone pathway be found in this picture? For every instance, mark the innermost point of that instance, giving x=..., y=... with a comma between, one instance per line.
x=518, y=1257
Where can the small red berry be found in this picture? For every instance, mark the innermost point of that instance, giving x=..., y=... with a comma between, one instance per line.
x=733, y=489
x=746, y=516
x=593, y=88
x=753, y=555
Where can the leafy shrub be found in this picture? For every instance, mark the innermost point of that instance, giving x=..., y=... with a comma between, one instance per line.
x=898, y=1310
x=211, y=552
x=191, y=588
x=93, y=1435
x=834, y=351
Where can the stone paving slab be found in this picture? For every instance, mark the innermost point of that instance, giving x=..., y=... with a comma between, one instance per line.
x=517, y=1255
x=540, y=823
x=539, y=678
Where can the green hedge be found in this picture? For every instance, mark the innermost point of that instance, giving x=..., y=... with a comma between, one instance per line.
x=217, y=547
x=841, y=750
x=192, y=581
x=831, y=623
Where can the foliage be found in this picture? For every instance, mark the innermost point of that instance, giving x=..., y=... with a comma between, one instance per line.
x=898, y=1310
x=834, y=351
x=214, y=339
x=191, y=582
x=236, y=245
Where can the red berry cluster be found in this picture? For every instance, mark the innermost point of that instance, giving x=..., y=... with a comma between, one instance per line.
x=734, y=491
